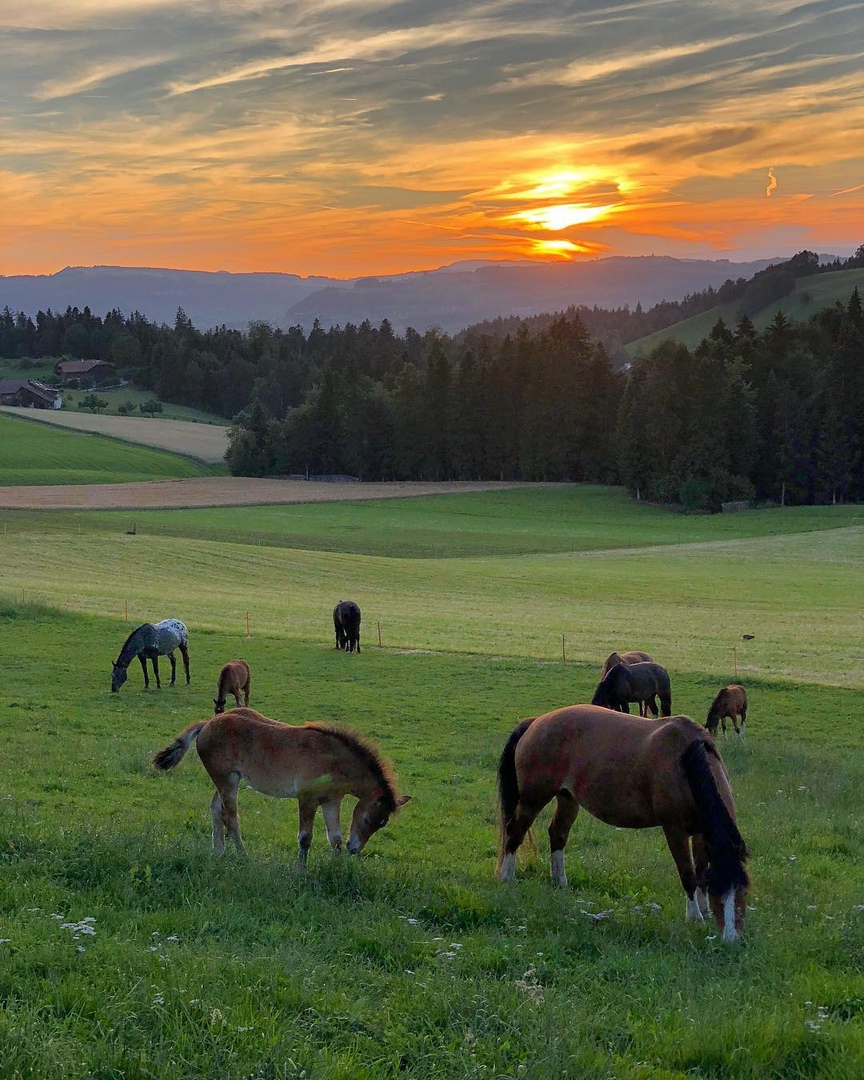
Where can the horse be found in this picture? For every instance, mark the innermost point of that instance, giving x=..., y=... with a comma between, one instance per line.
x=346, y=622
x=317, y=764
x=731, y=702
x=149, y=642
x=633, y=774
x=626, y=658
x=233, y=678
x=641, y=682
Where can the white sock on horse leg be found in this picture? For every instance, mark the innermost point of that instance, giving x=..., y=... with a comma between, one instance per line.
x=508, y=868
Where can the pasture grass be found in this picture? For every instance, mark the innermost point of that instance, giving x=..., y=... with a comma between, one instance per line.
x=520, y=521
x=36, y=453
x=797, y=594
x=409, y=960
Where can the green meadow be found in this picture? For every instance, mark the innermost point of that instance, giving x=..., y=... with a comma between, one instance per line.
x=34, y=453
x=129, y=950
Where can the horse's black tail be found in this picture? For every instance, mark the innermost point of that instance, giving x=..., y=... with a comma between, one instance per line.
x=727, y=851
x=174, y=753
x=508, y=782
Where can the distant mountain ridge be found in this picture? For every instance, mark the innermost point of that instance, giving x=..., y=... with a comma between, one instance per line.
x=451, y=297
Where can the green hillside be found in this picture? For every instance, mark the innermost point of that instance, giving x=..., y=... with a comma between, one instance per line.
x=33, y=453
x=811, y=294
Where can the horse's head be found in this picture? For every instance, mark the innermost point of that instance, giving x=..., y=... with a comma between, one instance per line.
x=729, y=911
x=371, y=814
x=218, y=705
x=119, y=675
x=602, y=696
x=728, y=887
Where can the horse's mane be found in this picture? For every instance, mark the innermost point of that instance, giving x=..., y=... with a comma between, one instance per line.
x=370, y=757
x=132, y=635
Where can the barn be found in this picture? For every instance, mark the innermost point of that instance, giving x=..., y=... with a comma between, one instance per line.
x=30, y=394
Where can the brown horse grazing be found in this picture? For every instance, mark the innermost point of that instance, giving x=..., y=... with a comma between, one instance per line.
x=316, y=764
x=634, y=657
x=731, y=702
x=346, y=623
x=634, y=774
x=233, y=678
x=642, y=682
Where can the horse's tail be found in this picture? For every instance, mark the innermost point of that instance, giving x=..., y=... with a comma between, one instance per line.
x=174, y=752
x=508, y=782
x=727, y=851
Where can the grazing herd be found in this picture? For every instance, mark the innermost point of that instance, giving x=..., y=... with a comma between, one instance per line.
x=630, y=772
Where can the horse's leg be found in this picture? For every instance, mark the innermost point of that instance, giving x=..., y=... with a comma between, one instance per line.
x=559, y=829
x=304, y=835
x=155, y=662
x=216, y=819
x=723, y=722
x=173, y=666
x=230, y=819
x=144, y=669
x=246, y=689
x=665, y=704
x=651, y=703
x=515, y=831
x=679, y=846
x=701, y=860
x=184, y=652
x=743, y=722
x=330, y=810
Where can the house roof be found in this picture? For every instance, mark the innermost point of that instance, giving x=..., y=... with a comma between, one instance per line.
x=12, y=386
x=80, y=367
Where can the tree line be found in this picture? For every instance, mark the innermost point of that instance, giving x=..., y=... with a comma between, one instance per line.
x=773, y=415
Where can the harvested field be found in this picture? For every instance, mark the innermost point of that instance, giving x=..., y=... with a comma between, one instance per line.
x=220, y=491
x=204, y=442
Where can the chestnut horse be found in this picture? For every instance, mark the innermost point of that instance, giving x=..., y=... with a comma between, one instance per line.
x=633, y=774
x=641, y=682
x=633, y=657
x=314, y=763
x=233, y=678
x=731, y=702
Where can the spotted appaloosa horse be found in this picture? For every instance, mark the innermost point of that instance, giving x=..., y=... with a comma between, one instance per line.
x=346, y=623
x=633, y=774
x=149, y=642
x=315, y=763
x=233, y=678
x=731, y=702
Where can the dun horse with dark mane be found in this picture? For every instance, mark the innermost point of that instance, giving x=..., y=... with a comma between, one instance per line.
x=234, y=678
x=633, y=774
x=642, y=683
x=149, y=642
x=316, y=764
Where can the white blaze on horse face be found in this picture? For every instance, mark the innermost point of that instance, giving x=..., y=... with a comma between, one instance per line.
x=508, y=868
x=693, y=911
x=729, y=931
x=559, y=875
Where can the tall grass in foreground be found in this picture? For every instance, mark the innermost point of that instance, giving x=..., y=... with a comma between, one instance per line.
x=129, y=950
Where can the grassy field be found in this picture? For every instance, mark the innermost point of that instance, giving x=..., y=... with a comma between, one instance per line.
x=128, y=950
x=34, y=453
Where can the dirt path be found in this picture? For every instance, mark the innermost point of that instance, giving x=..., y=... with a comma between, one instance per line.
x=204, y=442
x=220, y=491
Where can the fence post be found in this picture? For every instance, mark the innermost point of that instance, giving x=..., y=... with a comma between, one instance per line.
x=248, y=631
x=126, y=602
x=563, y=650
x=379, y=635
x=735, y=659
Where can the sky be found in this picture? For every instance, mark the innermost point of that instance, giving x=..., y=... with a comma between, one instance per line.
x=361, y=137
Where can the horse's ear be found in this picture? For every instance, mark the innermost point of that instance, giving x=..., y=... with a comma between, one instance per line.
x=403, y=799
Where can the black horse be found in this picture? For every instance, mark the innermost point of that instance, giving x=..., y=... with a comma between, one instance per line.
x=346, y=623
x=635, y=682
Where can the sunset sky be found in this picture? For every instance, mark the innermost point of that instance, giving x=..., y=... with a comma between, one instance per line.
x=349, y=137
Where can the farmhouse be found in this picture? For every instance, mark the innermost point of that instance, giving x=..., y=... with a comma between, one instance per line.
x=97, y=371
x=29, y=393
